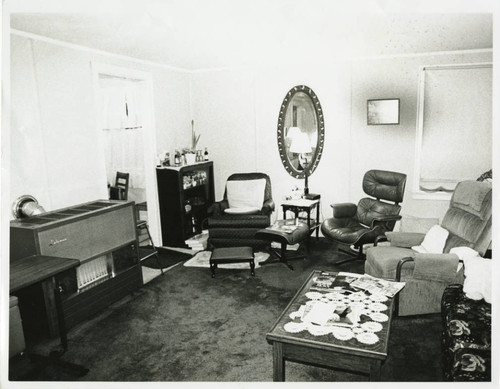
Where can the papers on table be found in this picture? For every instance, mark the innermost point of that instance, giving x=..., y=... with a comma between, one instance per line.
x=376, y=286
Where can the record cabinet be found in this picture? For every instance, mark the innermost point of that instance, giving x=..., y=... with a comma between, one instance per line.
x=185, y=194
x=102, y=236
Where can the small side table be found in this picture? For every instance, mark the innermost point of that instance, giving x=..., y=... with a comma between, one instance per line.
x=304, y=205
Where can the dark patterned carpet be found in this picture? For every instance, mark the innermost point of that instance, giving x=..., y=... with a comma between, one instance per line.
x=166, y=258
x=186, y=326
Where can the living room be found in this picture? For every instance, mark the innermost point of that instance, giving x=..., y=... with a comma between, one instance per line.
x=224, y=75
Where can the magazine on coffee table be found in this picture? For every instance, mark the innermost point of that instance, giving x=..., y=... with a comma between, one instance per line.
x=287, y=226
x=328, y=314
x=328, y=282
x=375, y=285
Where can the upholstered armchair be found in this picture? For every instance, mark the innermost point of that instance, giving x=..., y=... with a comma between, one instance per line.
x=246, y=207
x=360, y=224
x=424, y=261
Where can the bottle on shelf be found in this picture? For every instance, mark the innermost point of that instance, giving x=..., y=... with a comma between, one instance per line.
x=205, y=155
x=193, y=222
x=166, y=161
x=177, y=158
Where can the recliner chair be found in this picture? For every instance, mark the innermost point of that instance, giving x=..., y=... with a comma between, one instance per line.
x=360, y=224
x=231, y=227
x=468, y=222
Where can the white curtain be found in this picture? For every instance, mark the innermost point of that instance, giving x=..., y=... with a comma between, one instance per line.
x=122, y=127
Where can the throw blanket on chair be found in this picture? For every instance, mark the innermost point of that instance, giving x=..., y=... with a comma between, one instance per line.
x=477, y=271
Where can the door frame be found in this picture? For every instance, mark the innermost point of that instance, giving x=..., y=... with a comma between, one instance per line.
x=145, y=80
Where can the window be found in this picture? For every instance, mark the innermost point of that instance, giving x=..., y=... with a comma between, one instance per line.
x=454, y=129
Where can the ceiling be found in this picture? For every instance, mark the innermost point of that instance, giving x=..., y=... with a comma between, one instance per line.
x=207, y=34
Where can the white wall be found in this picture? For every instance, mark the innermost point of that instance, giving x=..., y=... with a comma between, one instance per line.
x=392, y=147
x=238, y=112
x=55, y=152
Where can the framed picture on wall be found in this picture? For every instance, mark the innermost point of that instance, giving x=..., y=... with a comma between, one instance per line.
x=383, y=111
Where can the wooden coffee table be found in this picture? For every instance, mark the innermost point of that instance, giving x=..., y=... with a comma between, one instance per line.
x=326, y=350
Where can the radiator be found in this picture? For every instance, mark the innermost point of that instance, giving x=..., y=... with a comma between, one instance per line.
x=93, y=273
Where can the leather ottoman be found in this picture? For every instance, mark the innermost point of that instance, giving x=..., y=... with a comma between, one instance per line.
x=285, y=234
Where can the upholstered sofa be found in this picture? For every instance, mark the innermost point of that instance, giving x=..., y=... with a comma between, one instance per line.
x=466, y=340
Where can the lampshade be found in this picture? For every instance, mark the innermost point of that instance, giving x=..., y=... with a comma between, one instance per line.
x=300, y=143
x=292, y=131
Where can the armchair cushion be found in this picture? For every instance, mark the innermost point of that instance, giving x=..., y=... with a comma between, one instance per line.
x=241, y=210
x=434, y=241
x=246, y=193
x=382, y=261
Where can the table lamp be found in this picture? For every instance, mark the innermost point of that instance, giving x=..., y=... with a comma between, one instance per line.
x=300, y=144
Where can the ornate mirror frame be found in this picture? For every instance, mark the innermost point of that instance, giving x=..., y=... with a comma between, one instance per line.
x=285, y=160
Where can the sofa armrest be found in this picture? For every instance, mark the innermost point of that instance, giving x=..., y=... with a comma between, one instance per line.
x=268, y=207
x=385, y=220
x=217, y=208
x=404, y=239
x=431, y=267
x=342, y=210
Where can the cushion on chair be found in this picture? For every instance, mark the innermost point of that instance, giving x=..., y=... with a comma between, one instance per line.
x=385, y=185
x=246, y=193
x=404, y=239
x=381, y=261
x=369, y=209
x=241, y=210
x=434, y=241
x=347, y=230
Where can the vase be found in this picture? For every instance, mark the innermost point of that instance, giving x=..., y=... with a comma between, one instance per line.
x=190, y=158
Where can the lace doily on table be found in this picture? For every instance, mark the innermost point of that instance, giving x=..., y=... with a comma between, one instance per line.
x=377, y=307
x=359, y=303
x=371, y=326
x=342, y=333
x=359, y=296
x=367, y=338
x=334, y=295
x=379, y=317
x=294, y=327
x=378, y=298
x=314, y=295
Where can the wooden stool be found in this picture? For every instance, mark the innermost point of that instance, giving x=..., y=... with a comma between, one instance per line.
x=232, y=255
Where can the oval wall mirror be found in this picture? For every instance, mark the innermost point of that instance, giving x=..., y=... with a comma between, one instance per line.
x=301, y=131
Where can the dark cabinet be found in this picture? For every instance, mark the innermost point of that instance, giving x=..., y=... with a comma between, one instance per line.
x=185, y=194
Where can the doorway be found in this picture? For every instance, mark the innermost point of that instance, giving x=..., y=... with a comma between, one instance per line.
x=125, y=124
